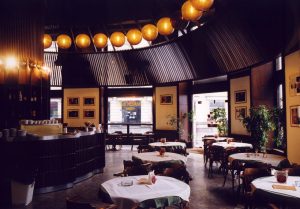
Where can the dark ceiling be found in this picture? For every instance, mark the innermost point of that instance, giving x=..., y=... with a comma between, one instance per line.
x=242, y=33
x=98, y=12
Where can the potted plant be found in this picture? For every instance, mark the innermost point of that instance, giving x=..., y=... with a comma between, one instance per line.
x=259, y=123
x=279, y=122
x=219, y=115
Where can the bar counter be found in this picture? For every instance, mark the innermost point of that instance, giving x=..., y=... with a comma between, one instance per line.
x=57, y=161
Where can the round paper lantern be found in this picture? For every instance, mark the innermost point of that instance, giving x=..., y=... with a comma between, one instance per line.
x=64, y=41
x=150, y=32
x=82, y=41
x=189, y=12
x=134, y=36
x=202, y=5
x=117, y=39
x=47, y=41
x=100, y=40
x=164, y=26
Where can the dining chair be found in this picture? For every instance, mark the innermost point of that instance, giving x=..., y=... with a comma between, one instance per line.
x=178, y=171
x=207, y=143
x=217, y=154
x=137, y=140
x=248, y=176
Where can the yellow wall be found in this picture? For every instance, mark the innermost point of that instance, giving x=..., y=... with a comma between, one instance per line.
x=292, y=67
x=162, y=111
x=81, y=93
x=237, y=84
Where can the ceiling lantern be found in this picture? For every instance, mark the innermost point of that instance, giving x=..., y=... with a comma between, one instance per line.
x=202, y=5
x=164, y=26
x=117, y=39
x=150, y=32
x=64, y=41
x=189, y=12
x=82, y=41
x=100, y=40
x=134, y=36
x=47, y=41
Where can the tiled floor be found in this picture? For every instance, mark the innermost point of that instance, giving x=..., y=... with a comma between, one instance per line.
x=205, y=193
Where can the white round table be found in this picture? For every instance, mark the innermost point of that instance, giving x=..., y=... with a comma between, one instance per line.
x=168, y=144
x=130, y=196
x=217, y=139
x=271, y=159
x=154, y=157
x=264, y=187
x=226, y=145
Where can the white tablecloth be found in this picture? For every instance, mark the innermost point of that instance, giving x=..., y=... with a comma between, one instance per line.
x=218, y=139
x=168, y=144
x=154, y=157
x=225, y=145
x=265, y=184
x=274, y=160
x=128, y=196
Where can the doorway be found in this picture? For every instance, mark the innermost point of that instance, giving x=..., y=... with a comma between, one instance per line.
x=203, y=105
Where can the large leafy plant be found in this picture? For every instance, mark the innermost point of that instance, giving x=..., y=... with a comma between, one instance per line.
x=279, y=122
x=259, y=123
x=219, y=115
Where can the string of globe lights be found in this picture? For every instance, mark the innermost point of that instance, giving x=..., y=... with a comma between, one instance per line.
x=191, y=10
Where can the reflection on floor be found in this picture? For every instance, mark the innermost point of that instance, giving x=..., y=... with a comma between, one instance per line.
x=205, y=193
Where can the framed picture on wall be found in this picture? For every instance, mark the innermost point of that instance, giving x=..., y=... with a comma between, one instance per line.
x=295, y=116
x=295, y=85
x=89, y=114
x=240, y=112
x=73, y=113
x=73, y=101
x=166, y=99
x=88, y=101
x=240, y=96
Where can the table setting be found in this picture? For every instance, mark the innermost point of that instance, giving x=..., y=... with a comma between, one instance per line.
x=146, y=191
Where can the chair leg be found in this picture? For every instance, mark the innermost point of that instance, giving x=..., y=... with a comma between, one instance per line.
x=225, y=177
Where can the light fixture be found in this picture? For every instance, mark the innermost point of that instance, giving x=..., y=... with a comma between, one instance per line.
x=134, y=36
x=117, y=39
x=46, y=69
x=11, y=62
x=64, y=41
x=202, y=5
x=47, y=41
x=82, y=41
x=164, y=26
x=100, y=40
x=149, y=32
x=189, y=12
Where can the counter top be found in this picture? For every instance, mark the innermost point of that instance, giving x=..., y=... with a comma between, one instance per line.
x=47, y=136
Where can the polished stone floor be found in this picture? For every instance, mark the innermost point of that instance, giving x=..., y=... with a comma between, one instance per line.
x=205, y=193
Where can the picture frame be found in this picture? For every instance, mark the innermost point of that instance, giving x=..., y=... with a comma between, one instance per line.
x=72, y=113
x=89, y=113
x=240, y=112
x=295, y=116
x=73, y=101
x=88, y=101
x=166, y=99
x=240, y=96
x=294, y=85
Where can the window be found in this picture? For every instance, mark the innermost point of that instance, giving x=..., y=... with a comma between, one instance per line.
x=55, y=107
x=135, y=112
